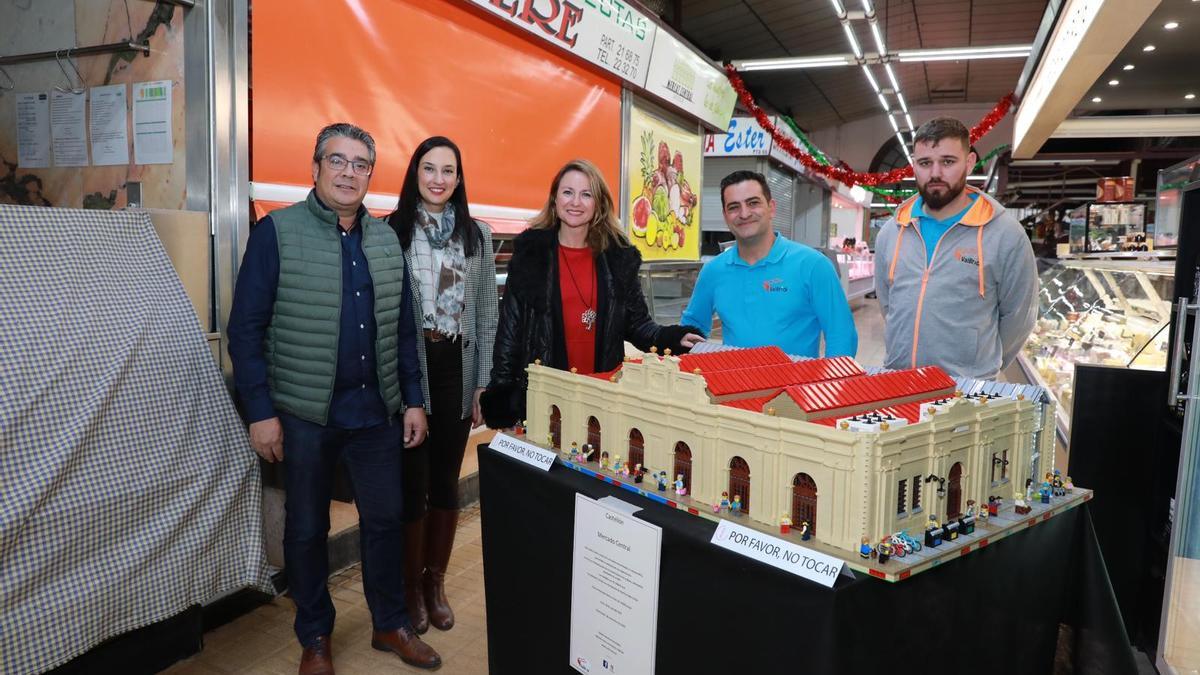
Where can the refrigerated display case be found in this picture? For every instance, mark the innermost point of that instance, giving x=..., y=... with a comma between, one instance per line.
x=1109, y=312
x=857, y=271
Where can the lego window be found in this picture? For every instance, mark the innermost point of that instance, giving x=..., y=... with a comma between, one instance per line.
x=683, y=465
x=555, y=428
x=637, y=448
x=902, y=496
x=804, y=502
x=954, y=492
x=739, y=481
x=916, y=497
x=594, y=434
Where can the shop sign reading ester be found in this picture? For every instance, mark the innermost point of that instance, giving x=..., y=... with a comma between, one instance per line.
x=608, y=33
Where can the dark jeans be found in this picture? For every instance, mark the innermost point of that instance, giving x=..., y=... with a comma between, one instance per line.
x=431, y=469
x=372, y=458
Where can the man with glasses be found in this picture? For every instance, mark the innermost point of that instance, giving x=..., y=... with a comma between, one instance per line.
x=324, y=360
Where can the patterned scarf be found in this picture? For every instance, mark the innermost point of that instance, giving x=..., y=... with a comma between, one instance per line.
x=448, y=301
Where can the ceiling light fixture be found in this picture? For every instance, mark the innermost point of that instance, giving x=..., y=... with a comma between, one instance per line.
x=887, y=67
x=900, y=100
x=749, y=65
x=837, y=7
x=1171, y=25
x=1128, y=66
x=878, y=37
x=1189, y=96
x=1148, y=48
x=1113, y=83
x=853, y=40
x=908, y=118
x=867, y=7
x=870, y=78
x=883, y=102
x=895, y=127
x=1096, y=99
x=964, y=53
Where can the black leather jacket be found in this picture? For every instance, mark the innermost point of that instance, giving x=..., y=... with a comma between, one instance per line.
x=530, y=326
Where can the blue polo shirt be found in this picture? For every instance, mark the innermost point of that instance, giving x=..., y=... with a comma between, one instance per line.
x=932, y=229
x=789, y=298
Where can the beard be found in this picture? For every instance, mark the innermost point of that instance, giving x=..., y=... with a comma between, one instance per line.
x=940, y=199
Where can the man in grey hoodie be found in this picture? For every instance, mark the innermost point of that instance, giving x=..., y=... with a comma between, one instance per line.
x=954, y=272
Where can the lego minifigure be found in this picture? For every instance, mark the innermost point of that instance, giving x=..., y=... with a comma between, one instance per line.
x=638, y=473
x=933, y=532
x=662, y=481
x=864, y=550
x=735, y=507
x=1044, y=493
x=572, y=451
x=615, y=467
x=785, y=524
x=604, y=460
x=971, y=507
x=1068, y=485
x=993, y=506
x=805, y=531
x=885, y=550
x=723, y=505
x=1019, y=504
x=1056, y=484
x=680, y=488
x=626, y=469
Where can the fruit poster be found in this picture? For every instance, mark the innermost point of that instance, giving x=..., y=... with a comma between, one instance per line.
x=663, y=165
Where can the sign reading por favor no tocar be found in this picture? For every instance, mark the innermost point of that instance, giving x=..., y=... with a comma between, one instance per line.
x=798, y=560
x=522, y=451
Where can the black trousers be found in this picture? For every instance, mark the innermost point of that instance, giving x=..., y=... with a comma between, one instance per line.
x=430, y=470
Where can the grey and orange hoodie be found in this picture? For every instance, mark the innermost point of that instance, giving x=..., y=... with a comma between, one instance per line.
x=972, y=306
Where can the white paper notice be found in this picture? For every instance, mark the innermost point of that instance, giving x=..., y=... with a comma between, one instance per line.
x=33, y=130
x=67, y=128
x=799, y=560
x=152, y=142
x=110, y=135
x=614, y=590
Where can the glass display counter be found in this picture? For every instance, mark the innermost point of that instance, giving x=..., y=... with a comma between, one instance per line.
x=857, y=271
x=1109, y=312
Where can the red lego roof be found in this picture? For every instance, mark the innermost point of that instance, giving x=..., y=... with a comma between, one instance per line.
x=752, y=404
x=857, y=391
x=727, y=382
x=733, y=359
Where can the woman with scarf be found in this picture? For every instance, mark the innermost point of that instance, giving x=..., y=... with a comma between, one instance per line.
x=449, y=256
x=572, y=298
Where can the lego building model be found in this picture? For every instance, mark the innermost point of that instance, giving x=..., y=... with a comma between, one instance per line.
x=838, y=455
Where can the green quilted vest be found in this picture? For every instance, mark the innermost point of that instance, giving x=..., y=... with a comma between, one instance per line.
x=302, y=337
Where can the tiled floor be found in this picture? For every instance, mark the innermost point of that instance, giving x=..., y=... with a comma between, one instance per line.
x=263, y=641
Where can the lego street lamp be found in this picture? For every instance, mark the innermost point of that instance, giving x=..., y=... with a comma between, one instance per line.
x=941, y=491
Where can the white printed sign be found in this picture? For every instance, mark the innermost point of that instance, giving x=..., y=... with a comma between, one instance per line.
x=523, y=451
x=681, y=76
x=609, y=33
x=614, y=590
x=744, y=137
x=33, y=130
x=801, y=561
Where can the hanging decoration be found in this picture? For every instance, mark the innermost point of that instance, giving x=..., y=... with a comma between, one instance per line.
x=818, y=163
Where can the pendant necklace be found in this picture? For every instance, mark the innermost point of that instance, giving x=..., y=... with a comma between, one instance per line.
x=588, y=317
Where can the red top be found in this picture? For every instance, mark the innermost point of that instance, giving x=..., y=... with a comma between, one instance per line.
x=577, y=287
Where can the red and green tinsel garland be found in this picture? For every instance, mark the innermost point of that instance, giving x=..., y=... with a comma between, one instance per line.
x=844, y=175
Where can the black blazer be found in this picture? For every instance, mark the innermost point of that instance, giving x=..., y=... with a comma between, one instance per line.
x=531, y=322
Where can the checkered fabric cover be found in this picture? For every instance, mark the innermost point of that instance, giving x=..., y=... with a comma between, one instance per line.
x=128, y=489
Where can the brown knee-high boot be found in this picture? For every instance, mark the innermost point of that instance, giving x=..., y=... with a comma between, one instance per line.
x=440, y=533
x=414, y=569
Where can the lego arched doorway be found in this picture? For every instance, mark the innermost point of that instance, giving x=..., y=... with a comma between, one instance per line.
x=804, y=501
x=594, y=434
x=555, y=427
x=683, y=464
x=739, y=482
x=954, y=492
x=637, y=448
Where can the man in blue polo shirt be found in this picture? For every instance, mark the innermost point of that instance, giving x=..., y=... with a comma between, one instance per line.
x=766, y=289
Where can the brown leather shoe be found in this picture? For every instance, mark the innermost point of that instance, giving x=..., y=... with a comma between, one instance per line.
x=317, y=658
x=406, y=644
x=442, y=525
x=414, y=569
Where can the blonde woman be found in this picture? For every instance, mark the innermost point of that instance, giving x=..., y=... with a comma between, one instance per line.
x=573, y=297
